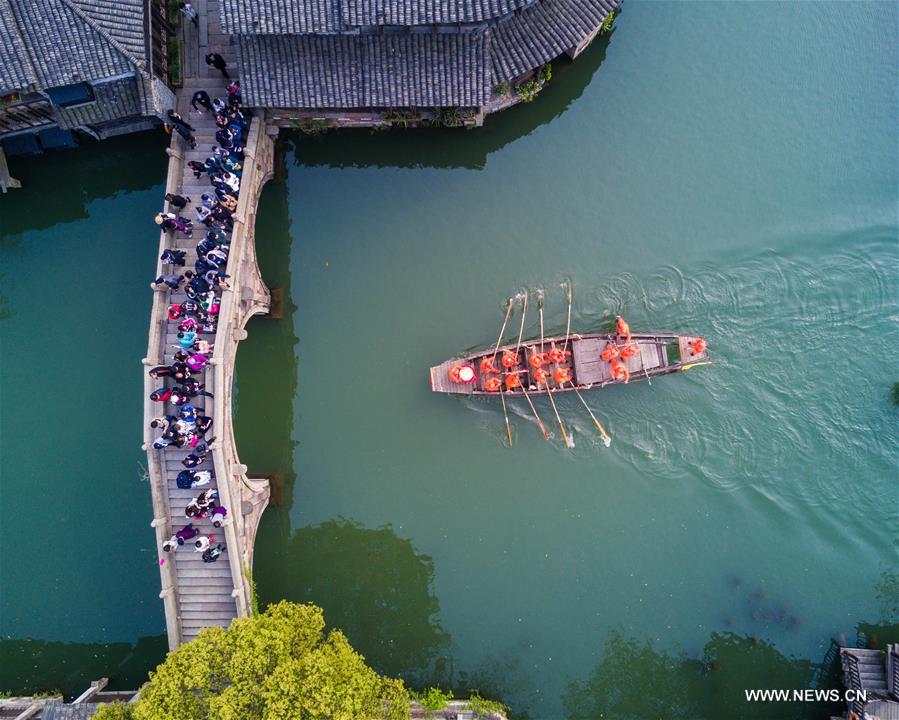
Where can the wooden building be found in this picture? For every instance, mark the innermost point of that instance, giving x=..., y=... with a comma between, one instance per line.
x=95, y=67
x=357, y=60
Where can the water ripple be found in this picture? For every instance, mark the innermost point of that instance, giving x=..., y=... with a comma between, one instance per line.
x=805, y=343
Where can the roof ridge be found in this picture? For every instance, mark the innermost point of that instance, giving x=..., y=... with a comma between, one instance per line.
x=140, y=64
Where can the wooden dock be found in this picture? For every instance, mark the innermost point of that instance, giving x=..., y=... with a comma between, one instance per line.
x=198, y=594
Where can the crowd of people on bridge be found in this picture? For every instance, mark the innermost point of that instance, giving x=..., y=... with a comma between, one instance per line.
x=183, y=423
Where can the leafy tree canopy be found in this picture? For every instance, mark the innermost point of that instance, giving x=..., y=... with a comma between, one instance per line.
x=280, y=665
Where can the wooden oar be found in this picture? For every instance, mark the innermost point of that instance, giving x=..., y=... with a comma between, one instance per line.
x=536, y=416
x=568, y=326
x=502, y=397
x=503, y=329
x=495, y=351
x=524, y=311
x=540, y=306
x=533, y=409
x=605, y=436
x=689, y=366
x=556, y=411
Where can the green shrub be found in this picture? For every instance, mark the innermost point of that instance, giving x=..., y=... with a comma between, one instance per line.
x=450, y=117
x=481, y=707
x=606, y=26
x=528, y=90
x=546, y=73
x=115, y=711
x=501, y=89
x=433, y=698
x=279, y=665
x=401, y=118
x=312, y=126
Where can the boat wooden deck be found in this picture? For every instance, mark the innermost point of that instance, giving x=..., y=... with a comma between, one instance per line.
x=440, y=381
x=583, y=360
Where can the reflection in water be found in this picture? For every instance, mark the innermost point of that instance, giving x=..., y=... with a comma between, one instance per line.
x=457, y=148
x=58, y=187
x=267, y=447
x=372, y=585
x=635, y=681
x=34, y=666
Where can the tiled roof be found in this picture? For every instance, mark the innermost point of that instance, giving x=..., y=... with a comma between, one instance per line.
x=543, y=32
x=348, y=71
x=424, y=12
x=15, y=71
x=122, y=20
x=57, y=42
x=283, y=63
x=119, y=98
x=273, y=17
x=328, y=16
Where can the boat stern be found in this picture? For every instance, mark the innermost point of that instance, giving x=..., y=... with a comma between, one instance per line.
x=441, y=381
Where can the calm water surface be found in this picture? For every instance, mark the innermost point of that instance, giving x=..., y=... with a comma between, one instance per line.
x=692, y=176
x=719, y=168
x=79, y=584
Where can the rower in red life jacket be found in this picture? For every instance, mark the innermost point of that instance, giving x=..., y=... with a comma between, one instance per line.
x=512, y=381
x=558, y=356
x=510, y=359
x=609, y=352
x=493, y=384
x=623, y=329
x=620, y=371
x=698, y=346
x=461, y=373
x=630, y=350
x=488, y=366
x=562, y=375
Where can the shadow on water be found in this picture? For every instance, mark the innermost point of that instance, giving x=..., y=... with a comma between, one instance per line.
x=371, y=583
x=373, y=586
x=34, y=666
x=57, y=187
x=455, y=147
x=635, y=680
x=267, y=361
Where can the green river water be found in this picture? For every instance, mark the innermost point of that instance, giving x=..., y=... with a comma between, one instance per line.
x=726, y=169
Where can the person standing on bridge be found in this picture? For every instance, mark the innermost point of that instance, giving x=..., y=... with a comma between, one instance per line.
x=218, y=62
x=233, y=93
x=189, y=12
x=160, y=395
x=188, y=532
x=173, y=257
x=201, y=98
x=212, y=554
x=172, y=281
x=178, y=202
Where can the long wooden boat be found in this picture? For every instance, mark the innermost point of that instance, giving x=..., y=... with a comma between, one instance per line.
x=581, y=361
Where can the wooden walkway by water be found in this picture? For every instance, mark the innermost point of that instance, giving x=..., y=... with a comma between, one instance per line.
x=198, y=594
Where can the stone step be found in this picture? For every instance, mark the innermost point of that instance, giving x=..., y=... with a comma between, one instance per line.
x=208, y=607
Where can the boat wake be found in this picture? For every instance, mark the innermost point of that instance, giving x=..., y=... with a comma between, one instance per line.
x=804, y=342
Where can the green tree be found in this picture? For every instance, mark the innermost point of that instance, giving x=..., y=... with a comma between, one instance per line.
x=280, y=665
